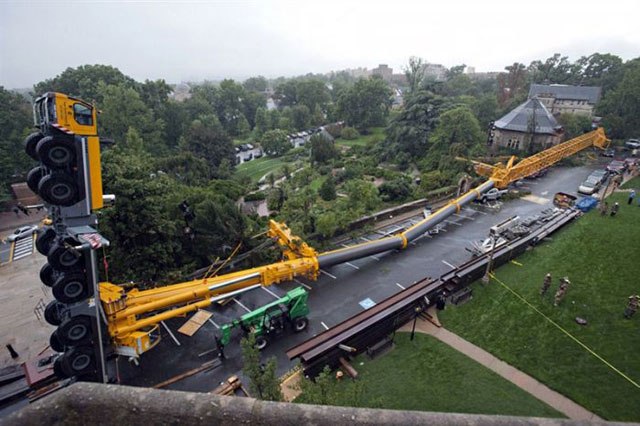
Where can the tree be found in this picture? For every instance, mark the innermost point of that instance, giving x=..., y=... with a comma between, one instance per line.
x=256, y=84
x=512, y=83
x=395, y=190
x=319, y=392
x=275, y=142
x=264, y=382
x=328, y=189
x=207, y=139
x=15, y=122
x=604, y=70
x=322, y=149
x=317, y=119
x=362, y=195
x=555, y=70
x=414, y=72
x=575, y=125
x=486, y=109
x=409, y=131
x=457, y=133
x=85, y=82
x=365, y=104
x=620, y=107
x=311, y=93
x=455, y=70
x=261, y=121
x=299, y=116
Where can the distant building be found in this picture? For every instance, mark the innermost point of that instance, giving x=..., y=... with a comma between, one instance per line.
x=470, y=70
x=181, y=92
x=530, y=122
x=561, y=99
x=435, y=72
x=384, y=71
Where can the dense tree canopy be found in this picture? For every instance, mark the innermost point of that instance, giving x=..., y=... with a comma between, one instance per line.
x=275, y=142
x=365, y=104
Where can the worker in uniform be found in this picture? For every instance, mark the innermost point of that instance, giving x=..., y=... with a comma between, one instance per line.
x=545, y=284
x=632, y=308
x=562, y=291
x=632, y=195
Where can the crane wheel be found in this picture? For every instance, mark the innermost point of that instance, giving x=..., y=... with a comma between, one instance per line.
x=54, y=342
x=57, y=368
x=75, y=331
x=78, y=361
x=71, y=287
x=34, y=176
x=58, y=189
x=53, y=312
x=300, y=323
x=261, y=342
x=44, y=240
x=48, y=275
x=31, y=143
x=64, y=259
x=56, y=152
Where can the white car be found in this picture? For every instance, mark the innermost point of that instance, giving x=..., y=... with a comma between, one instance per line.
x=22, y=232
x=589, y=186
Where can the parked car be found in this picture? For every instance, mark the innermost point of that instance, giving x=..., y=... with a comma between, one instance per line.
x=589, y=186
x=22, y=232
x=632, y=144
x=609, y=153
x=599, y=175
x=491, y=195
x=540, y=173
x=629, y=161
x=616, y=166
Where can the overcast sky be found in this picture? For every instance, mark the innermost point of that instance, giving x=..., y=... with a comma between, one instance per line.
x=187, y=41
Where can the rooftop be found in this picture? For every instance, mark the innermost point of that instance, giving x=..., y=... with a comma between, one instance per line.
x=561, y=91
x=520, y=118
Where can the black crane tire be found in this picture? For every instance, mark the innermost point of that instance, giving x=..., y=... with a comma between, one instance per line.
x=34, y=176
x=75, y=331
x=44, y=240
x=53, y=312
x=56, y=152
x=30, y=144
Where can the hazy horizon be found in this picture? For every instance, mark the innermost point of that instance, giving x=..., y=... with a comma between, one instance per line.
x=212, y=40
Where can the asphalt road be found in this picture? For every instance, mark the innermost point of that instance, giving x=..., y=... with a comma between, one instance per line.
x=5, y=249
x=342, y=290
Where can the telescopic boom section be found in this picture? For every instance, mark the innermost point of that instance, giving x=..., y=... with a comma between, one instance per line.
x=131, y=313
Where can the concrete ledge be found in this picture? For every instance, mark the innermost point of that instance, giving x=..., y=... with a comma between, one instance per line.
x=90, y=403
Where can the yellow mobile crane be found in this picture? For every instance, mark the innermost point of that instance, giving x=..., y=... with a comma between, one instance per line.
x=132, y=316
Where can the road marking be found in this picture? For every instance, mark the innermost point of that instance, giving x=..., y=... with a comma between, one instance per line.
x=478, y=211
x=238, y=302
x=308, y=287
x=463, y=217
x=448, y=264
x=352, y=265
x=170, y=333
x=365, y=238
x=324, y=325
x=270, y=292
x=535, y=199
x=326, y=273
x=400, y=285
x=214, y=324
x=453, y=223
x=543, y=193
x=375, y=257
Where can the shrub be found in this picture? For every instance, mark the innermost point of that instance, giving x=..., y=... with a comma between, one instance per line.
x=349, y=133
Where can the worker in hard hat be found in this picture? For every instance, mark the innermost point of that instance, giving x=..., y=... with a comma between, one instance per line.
x=546, y=284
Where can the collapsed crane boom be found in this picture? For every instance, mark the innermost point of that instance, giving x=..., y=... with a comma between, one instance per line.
x=133, y=316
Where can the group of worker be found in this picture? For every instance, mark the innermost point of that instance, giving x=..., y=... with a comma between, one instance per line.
x=560, y=293
x=630, y=310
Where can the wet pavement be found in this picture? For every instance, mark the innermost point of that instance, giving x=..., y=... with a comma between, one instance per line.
x=339, y=291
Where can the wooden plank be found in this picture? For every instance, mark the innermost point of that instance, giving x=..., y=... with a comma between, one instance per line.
x=194, y=323
x=348, y=368
x=205, y=366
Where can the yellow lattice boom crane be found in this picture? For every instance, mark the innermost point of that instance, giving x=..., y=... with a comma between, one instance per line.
x=133, y=316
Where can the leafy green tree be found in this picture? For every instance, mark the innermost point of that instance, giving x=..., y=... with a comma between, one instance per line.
x=299, y=116
x=311, y=93
x=155, y=94
x=486, y=109
x=264, y=382
x=414, y=72
x=603, y=70
x=207, y=139
x=575, y=125
x=261, y=120
x=85, y=82
x=322, y=149
x=123, y=108
x=275, y=142
x=365, y=104
x=327, y=224
x=395, y=190
x=320, y=391
x=317, y=119
x=409, y=131
x=457, y=133
x=286, y=171
x=15, y=123
x=242, y=127
x=455, y=71
x=256, y=84
x=186, y=168
x=620, y=107
x=286, y=93
x=556, y=69
x=458, y=85
x=512, y=84
x=362, y=195
x=349, y=133
x=328, y=189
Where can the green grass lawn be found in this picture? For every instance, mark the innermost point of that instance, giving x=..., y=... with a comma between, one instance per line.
x=363, y=139
x=255, y=169
x=601, y=257
x=427, y=375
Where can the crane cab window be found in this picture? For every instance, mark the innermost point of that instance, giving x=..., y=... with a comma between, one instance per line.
x=82, y=114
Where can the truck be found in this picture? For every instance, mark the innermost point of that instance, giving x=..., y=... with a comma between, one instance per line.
x=271, y=320
x=492, y=195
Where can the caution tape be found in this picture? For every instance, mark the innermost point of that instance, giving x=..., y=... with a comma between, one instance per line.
x=559, y=327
